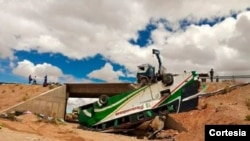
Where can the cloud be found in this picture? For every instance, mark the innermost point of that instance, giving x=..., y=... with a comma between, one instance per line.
x=196, y=9
x=26, y=68
x=80, y=101
x=240, y=39
x=78, y=30
x=106, y=73
x=76, y=102
x=223, y=46
x=71, y=79
x=81, y=29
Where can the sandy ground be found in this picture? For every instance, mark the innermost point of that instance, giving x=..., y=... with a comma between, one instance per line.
x=230, y=108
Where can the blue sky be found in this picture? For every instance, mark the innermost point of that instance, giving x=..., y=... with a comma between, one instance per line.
x=83, y=41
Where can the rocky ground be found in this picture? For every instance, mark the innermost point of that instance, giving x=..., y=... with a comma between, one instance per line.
x=230, y=108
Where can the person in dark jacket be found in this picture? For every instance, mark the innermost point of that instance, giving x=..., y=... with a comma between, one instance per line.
x=211, y=74
x=30, y=79
x=45, y=81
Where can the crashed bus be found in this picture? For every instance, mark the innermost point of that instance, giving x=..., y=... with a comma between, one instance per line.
x=157, y=94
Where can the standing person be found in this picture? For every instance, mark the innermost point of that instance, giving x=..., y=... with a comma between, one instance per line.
x=217, y=78
x=211, y=74
x=30, y=79
x=45, y=81
x=34, y=80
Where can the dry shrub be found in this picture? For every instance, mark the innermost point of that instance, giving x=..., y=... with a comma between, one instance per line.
x=226, y=90
x=52, y=86
x=26, y=97
x=247, y=118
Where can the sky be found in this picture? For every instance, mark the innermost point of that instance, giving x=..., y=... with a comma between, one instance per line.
x=93, y=41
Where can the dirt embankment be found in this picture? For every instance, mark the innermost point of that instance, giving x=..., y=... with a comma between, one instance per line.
x=230, y=108
x=11, y=94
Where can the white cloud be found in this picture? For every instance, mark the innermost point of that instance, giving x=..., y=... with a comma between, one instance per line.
x=223, y=46
x=80, y=101
x=71, y=79
x=77, y=29
x=106, y=73
x=76, y=102
x=26, y=68
x=80, y=29
x=195, y=9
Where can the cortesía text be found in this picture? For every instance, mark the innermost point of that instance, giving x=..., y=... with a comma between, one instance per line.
x=212, y=132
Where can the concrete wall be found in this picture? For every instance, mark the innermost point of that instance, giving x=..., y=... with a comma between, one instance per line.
x=50, y=103
x=90, y=90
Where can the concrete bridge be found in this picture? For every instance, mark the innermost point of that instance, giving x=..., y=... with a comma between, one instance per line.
x=54, y=102
x=90, y=90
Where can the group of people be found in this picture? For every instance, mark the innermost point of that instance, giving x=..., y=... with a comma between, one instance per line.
x=211, y=72
x=33, y=80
